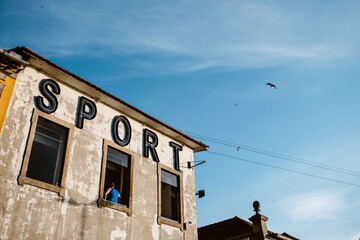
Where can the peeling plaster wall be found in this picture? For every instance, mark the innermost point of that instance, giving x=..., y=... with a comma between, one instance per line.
x=28, y=212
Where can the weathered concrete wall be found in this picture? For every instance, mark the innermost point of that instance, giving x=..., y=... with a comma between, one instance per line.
x=28, y=212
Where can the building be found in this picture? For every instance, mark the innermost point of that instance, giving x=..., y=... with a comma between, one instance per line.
x=239, y=229
x=63, y=141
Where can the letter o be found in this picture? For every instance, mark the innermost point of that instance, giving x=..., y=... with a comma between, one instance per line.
x=115, y=130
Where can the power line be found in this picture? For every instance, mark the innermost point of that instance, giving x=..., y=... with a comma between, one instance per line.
x=330, y=168
x=277, y=155
x=284, y=169
x=274, y=154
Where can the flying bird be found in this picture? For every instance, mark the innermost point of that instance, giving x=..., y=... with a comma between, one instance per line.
x=271, y=85
x=238, y=149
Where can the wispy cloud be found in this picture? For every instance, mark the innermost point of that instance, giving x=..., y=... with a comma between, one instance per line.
x=356, y=237
x=194, y=34
x=314, y=206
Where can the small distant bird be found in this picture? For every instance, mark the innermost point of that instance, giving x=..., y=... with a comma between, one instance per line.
x=238, y=149
x=271, y=85
x=42, y=6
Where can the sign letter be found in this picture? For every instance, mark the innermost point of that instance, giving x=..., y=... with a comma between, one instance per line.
x=115, y=130
x=48, y=94
x=176, y=148
x=149, y=146
x=83, y=113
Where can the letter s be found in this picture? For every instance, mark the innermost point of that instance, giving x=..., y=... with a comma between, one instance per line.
x=48, y=94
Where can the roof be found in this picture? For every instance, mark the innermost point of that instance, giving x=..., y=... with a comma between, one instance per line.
x=36, y=61
x=11, y=63
x=235, y=228
x=289, y=236
x=281, y=236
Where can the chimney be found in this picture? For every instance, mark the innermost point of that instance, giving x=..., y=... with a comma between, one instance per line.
x=259, y=223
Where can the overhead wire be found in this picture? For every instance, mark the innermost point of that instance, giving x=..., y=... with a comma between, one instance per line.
x=284, y=169
x=276, y=155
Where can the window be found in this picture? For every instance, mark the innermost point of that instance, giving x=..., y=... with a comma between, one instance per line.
x=2, y=85
x=45, y=161
x=47, y=152
x=117, y=169
x=170, y=196
x=6, y=89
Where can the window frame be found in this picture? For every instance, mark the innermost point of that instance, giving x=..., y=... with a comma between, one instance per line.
x=163, y=220
x=101, y=201
x=2, y=86
x=23, y=179
x=5, y=97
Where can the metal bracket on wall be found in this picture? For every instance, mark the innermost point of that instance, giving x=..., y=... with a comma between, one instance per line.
x=200, y=193
x=195, y=163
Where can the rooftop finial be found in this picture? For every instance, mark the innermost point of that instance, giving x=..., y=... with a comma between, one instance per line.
x=256, y=206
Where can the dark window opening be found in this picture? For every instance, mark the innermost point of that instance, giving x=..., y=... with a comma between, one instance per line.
x=118, y=172
x=170, y=196
x=48, y=152
x=2, y=85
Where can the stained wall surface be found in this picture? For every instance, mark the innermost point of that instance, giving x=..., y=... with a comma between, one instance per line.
x=29, y=212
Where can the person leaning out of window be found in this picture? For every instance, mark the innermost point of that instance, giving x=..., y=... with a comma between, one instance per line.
x=113, y=194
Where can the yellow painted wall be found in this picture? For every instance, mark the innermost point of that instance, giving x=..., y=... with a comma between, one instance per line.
x=5, y=98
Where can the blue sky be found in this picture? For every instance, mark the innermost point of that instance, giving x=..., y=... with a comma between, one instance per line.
x=201, y=67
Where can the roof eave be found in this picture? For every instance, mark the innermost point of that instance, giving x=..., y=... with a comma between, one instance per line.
x=44, y=65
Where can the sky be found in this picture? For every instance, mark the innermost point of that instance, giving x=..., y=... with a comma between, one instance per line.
x=202, y=68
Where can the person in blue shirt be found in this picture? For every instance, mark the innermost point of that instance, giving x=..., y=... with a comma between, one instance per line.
x=113, y=194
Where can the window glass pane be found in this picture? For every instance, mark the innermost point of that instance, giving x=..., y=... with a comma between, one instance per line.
x=48, y=152
x=2, y=85
x=117, y=157
x=170, y=196
x=169, y=178
x=118, y=172
x=51, y=130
